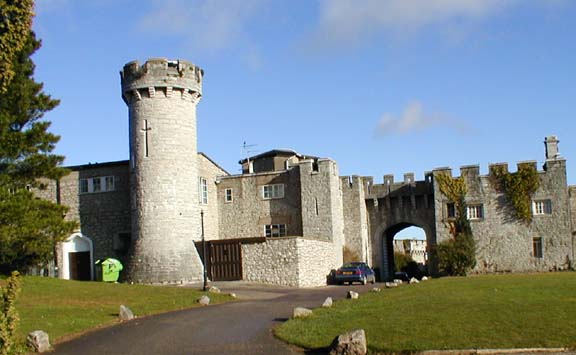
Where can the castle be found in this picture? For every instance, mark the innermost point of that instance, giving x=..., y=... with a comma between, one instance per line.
x=288, y=218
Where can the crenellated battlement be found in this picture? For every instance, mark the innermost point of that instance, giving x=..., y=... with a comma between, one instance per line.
x=160, y=77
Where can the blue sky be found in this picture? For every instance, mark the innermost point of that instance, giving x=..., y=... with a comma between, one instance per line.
x=381, y=86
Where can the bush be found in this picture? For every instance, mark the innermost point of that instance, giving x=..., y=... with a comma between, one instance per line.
x=8, y=315
x=401, y=261
x=456, y=256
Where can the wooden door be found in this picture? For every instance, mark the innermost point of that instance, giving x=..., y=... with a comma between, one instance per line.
x=79, y=265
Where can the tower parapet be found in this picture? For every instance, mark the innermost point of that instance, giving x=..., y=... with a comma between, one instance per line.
x=161, y=75
x=161, y=96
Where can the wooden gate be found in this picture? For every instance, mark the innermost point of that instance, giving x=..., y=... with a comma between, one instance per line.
x=224, y=259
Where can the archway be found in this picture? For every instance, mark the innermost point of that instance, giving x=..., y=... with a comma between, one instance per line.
x=411, y=252
x=413, y=241
x=78, y=259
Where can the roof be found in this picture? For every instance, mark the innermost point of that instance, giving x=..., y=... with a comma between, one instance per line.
x=275, y=152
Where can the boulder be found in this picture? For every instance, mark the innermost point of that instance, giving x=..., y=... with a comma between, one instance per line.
x=233, y=295
x=204, y=300
x=351, y=343
x=398, y=281
x=301, y=312
x=39, y=341
x=424, y=278
x=414, y=280
x=214, y=289
x=352, y=295
x=391, y=284
x=125, y=313
x=327, y=303
x=376, y=289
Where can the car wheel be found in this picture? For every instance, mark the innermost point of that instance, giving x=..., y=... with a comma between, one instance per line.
x=364, y=280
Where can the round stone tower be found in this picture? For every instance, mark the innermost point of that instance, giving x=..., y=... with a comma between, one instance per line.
x=162, y=96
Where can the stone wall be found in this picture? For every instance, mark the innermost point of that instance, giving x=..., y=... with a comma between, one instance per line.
x=289, y=261
x=248, y=213
x=356, y=220
x=210, y=171
x=505, y=244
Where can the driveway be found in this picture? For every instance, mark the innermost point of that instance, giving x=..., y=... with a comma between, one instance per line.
x=242, y=327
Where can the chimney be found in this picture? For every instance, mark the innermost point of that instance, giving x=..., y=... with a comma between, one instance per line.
x=551, y=144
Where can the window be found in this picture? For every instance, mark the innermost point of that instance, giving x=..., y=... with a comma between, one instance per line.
x=451, y=210
x=97, y=184
x=275, y=230
x=228, y=195
x=537, y=247
x=273, y=191
x=109, y=182
x=203, y=191
x=83, y=186
x=541, y=207
x=475, y=212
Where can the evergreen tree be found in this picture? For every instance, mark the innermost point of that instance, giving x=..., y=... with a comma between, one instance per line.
x=15, y=23
x=29, y=227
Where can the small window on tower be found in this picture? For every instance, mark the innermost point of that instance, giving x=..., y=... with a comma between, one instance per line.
x=228, y=195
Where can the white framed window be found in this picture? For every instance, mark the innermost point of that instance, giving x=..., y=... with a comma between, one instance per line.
x=228, y=197
x=83, y=186
x=537, y=251
x=203, y=191
x=275, y=230
x=97, y=184
x=541, y=207
x=109, y=183
x=272, y=191
x=475, y=212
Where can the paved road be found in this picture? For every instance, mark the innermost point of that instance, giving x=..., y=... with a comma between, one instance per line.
x=242, y=327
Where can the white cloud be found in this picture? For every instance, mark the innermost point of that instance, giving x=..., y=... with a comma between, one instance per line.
x=351, y=21
x=209, y=24
x=414, y=119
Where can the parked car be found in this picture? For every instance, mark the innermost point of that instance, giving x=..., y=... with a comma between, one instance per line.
x=355, y=272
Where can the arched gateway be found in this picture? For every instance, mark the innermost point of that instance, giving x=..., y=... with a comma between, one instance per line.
x=392, y=207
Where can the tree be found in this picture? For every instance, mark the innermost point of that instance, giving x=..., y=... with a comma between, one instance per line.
x=29, y=227
x=15, y=24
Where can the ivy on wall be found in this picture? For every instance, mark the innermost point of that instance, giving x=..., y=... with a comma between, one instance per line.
x=518, y=187
x=456, y=256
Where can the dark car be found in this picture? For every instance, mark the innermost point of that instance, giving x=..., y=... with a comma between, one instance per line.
x=355, y=272
x=400, y=275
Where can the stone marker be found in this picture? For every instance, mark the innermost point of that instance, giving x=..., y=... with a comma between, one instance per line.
x=352, y=295
x=233, y=295
x=204, y=300
x=301, y=312
x=376, y=289
x=214, y=289
x=391, y=284
x=424, y=278
x=351, y=343
x=414, y=280
x=125, y=313
x=398, y=281
x=39, y=341
x=327, y=303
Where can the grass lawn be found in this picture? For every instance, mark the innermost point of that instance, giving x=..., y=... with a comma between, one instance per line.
x=62, y=308
x=478, y=312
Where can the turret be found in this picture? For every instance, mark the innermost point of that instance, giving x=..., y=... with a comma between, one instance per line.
x=162, y=96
